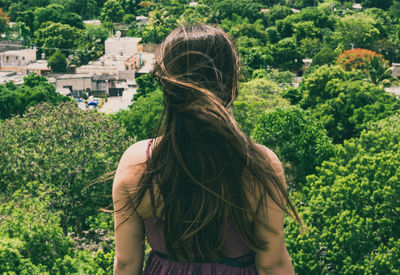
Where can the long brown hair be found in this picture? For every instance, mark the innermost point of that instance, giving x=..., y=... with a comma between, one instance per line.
x=198, y=164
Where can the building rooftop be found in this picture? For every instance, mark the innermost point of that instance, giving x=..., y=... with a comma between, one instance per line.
x=6, y=74
x=18, y=52
x=92, y=22
x=70, y=76
x=141, y=18
x=40, y=64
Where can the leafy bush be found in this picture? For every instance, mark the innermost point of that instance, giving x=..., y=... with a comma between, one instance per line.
x=351, y=209
x=298, y=140
x=12, y=261
x=147, y=84
x=34, y=231
x=58, y=62
x=66, y=149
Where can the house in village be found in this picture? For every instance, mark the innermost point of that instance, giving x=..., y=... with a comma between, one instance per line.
x=23, y=62
x=16, y=60
x=111, y=73
x=396, y=70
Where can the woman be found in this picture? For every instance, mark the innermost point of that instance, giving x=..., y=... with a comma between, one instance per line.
x=208, y=199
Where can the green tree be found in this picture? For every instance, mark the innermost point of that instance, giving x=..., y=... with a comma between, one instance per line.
x=58, y=14
x=319, y=19
x=314, y=86
x=27, y=18
x=12, y=261
x=3, y=22
x=57, y=62
x=28, y=219
x=297, y=138
x=287, y=55
x=325, y=56
x=147, y=84
x=310, y=46
x=142, y=117
x=277, y=12
x=225, y=9
x=255, y=98
x=283, y=78
x=350, y=207
x=381, y=4
x=344, y=105
x=35, y=89
x=161, y=23
x=388, y=48
x=378, y=72
x=356, y=31
x=66, y=150
x=112, y=11
x=56, y=36
x=91, y=43
x=198, y=14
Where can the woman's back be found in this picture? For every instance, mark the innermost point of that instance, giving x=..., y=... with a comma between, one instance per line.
x=207, y=192
x=239, y=259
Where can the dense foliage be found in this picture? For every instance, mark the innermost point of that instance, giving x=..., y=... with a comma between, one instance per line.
x=50, y=163
x=143, y=115
x=348, y=193
x=343, y=102
x=35, y=89
x=67, y=157
x=352, y=206
x=297, y=138
x=255, y=98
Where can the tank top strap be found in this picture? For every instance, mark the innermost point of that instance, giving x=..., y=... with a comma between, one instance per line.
x=151, y=188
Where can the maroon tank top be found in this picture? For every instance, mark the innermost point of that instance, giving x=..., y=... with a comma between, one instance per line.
x=239, y=258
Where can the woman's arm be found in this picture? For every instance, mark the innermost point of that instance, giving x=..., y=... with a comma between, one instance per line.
x=274, y=260
x=129, y=229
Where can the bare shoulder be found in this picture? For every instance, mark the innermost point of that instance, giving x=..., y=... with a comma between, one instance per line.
x=135, y=154
x=131, y=165
x=273, y=159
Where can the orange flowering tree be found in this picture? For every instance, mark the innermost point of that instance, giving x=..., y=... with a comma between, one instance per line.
x=3, y=21
x=356, y=59
x=4, y=15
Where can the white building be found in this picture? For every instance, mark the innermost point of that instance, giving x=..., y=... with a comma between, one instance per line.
x=396, y=70
x=95, y=22
x=123, y=45
x=15, y=78
x=39, y=67
x=142, y=20
x=16, y=60
x=122, y=58
x=74, y=82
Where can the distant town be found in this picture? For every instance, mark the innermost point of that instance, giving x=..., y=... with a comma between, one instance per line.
x=109, y=79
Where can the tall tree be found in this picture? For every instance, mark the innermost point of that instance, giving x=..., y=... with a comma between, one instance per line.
x=112, y=11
